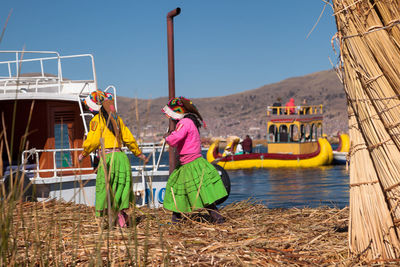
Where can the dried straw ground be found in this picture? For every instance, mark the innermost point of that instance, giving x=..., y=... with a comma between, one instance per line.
x=59, y=234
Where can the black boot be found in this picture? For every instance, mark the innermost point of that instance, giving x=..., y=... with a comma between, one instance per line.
x=215, y=216
x=176, y=217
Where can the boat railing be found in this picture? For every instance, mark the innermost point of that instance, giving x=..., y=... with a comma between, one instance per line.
x=298, y=110
x=33, y=156
x=39, y=79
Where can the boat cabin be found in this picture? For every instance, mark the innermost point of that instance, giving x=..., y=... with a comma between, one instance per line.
x=294, y=130
x=43, y=120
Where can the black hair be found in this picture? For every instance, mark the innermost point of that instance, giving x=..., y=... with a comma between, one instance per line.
x=104, y=114
x=195, y=120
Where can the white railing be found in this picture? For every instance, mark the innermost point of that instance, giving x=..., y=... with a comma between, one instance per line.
x=16, y=82
x=35, y=154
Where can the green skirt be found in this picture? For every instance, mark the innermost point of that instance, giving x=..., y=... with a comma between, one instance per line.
x=120, y=181
x=192, y=186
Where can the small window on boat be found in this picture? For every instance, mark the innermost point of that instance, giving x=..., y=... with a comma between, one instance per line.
x=308, y=133
x=294, y=133
x=302, y=133
x=272, y=134
x=62, y=142
x=283, y=134
x=319, y=129
x=313, y=132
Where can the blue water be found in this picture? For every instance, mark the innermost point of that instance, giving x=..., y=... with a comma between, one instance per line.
x=293, y=187
x=289, y=187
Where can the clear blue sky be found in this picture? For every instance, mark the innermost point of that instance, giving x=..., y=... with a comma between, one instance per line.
x=222, y=47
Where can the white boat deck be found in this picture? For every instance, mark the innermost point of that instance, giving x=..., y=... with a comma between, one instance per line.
x=41, y=72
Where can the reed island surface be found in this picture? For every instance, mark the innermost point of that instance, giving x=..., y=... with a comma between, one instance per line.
x=56, y=233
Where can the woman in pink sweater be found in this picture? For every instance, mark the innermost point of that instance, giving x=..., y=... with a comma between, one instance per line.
x=194, y=183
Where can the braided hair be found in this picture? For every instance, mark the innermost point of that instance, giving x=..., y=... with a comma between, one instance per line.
x=105, y=115
x=195, y=120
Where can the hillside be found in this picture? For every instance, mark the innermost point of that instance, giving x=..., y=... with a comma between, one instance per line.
x=242, y=113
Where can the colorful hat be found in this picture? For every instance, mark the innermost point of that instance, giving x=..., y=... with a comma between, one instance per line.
x=178, y=107
x=95, y=99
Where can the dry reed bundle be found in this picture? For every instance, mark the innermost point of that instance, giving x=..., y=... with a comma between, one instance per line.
x=366, y=202
x=370, y=59
x=58, y=234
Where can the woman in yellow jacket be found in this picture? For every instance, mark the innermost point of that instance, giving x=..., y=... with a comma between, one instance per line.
x=115, y=166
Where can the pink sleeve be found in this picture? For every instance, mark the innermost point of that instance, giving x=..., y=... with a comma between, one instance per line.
x=177, y=135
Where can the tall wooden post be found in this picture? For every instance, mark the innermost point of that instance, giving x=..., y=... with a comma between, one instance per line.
x=171, y=77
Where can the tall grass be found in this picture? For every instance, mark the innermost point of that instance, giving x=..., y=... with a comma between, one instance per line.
x=58, y=233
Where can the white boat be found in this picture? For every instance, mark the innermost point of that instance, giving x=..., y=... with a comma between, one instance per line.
x=340, y=154
x=34, y=82
x=339, y=158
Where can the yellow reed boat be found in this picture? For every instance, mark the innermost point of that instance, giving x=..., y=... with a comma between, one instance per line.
x=294, y=140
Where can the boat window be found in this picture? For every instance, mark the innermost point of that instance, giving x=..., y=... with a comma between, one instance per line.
x=312, y=132
x=272, y=134
x=320, y=129
x=62, y=141
x=308, y=134
x=316, y=130
x=283, y=134
x=294, y=133
x=302, y=133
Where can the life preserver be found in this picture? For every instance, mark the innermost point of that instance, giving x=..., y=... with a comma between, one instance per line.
x=227, y=183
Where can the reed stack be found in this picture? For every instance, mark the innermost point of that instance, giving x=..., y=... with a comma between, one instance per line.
x=369, y=40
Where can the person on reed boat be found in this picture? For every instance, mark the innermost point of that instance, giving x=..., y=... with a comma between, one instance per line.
x=305, y=109
x=194, y=183
x=247, y=145
x=290, y=107
x=239, y=148
x=114, y=164
x=277, y=106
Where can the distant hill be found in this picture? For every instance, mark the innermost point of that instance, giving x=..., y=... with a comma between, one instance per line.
x=245, y=112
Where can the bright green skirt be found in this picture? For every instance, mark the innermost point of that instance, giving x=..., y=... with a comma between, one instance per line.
x=192, y=186
x=120, y=180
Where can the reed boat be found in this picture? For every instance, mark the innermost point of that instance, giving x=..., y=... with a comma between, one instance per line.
x=340, y=154
x=43, y=125
x=294, y=140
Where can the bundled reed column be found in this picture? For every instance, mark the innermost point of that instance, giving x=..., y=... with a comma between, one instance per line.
x=370, y=62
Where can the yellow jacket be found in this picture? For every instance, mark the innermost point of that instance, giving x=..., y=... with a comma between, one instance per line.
x=98, y=129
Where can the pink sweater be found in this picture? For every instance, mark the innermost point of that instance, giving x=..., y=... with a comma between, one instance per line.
x=186, y=139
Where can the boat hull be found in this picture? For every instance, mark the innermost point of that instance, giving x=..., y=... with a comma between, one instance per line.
x=339, y=158
x=323, y=156
x=82, y=189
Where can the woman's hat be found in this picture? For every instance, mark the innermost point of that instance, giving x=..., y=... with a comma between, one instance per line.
x=178, y=107
x=96, y=98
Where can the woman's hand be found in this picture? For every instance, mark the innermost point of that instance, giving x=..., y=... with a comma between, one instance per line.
x=166, y=135
x=80, y=157
x=144, y=158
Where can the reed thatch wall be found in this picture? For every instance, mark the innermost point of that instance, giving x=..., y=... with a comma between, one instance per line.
x=369, y=39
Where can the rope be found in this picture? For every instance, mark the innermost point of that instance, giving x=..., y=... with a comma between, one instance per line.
x=364, y=183
x=391, y=187
x=374, y=29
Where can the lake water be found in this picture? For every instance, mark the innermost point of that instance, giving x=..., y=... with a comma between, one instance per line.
x=289, y=187
x=292, y=187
